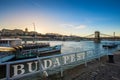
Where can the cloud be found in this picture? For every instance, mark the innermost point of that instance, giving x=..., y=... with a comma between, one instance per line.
x=74, y=26
x=81, y=27
x=67, y=25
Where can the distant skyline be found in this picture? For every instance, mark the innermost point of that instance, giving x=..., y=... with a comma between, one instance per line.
x=76, y=17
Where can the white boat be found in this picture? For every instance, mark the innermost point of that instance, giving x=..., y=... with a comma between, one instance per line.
x=6, y=48
x=13, y=48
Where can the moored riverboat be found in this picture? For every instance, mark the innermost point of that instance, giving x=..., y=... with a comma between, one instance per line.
x=14, y=49
x=109, y=45
x=35, y=52
x=7, y=48
x=6, y=54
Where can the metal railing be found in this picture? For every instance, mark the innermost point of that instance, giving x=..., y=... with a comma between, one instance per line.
x=49, y=64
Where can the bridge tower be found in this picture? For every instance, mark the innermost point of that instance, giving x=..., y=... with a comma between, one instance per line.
x=97, y=37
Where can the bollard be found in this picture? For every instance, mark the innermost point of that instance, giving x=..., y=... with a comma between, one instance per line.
x=111, y=58
x=85, y=59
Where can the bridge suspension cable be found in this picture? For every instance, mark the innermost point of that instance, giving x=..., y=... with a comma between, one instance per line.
x=89, y=36
x=105, y=35
x=101, y=35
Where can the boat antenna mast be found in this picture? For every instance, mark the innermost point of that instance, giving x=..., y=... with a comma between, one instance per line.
x=114, y=36
x=34, y=33
x=0, y=35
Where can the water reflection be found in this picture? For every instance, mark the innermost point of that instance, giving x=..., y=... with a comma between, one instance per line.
x=71, y=46
x=97, y=48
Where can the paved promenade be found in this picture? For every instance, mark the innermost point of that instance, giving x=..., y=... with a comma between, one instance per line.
x=96, y=70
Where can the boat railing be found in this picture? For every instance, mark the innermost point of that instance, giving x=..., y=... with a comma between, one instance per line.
x=49, y=64
x=36, y=44
x=5, y=54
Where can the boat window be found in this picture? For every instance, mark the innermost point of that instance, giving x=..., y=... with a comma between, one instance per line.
x=3, y=54
x=3, y=42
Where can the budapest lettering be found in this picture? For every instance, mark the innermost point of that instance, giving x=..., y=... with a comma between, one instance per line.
x=29, y=67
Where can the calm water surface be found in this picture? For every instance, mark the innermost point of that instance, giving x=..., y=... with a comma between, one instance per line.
x=72, y=46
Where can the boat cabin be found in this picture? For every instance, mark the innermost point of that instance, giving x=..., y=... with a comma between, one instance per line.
x=8, y=42
x=6, y=54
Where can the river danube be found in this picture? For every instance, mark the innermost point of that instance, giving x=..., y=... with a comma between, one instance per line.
x=72, y=46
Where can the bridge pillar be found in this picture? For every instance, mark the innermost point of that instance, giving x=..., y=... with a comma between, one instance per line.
x=97, y=37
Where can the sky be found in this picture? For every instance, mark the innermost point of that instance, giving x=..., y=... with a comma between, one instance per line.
x=69, y=17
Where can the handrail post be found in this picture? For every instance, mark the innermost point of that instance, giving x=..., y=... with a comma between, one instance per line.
x=94, y=53
x=41, y=68
x=61, y=69
x=107, y=51
x=8, y=71
x=75, y=57
x=99, y=55
x=85, y=59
